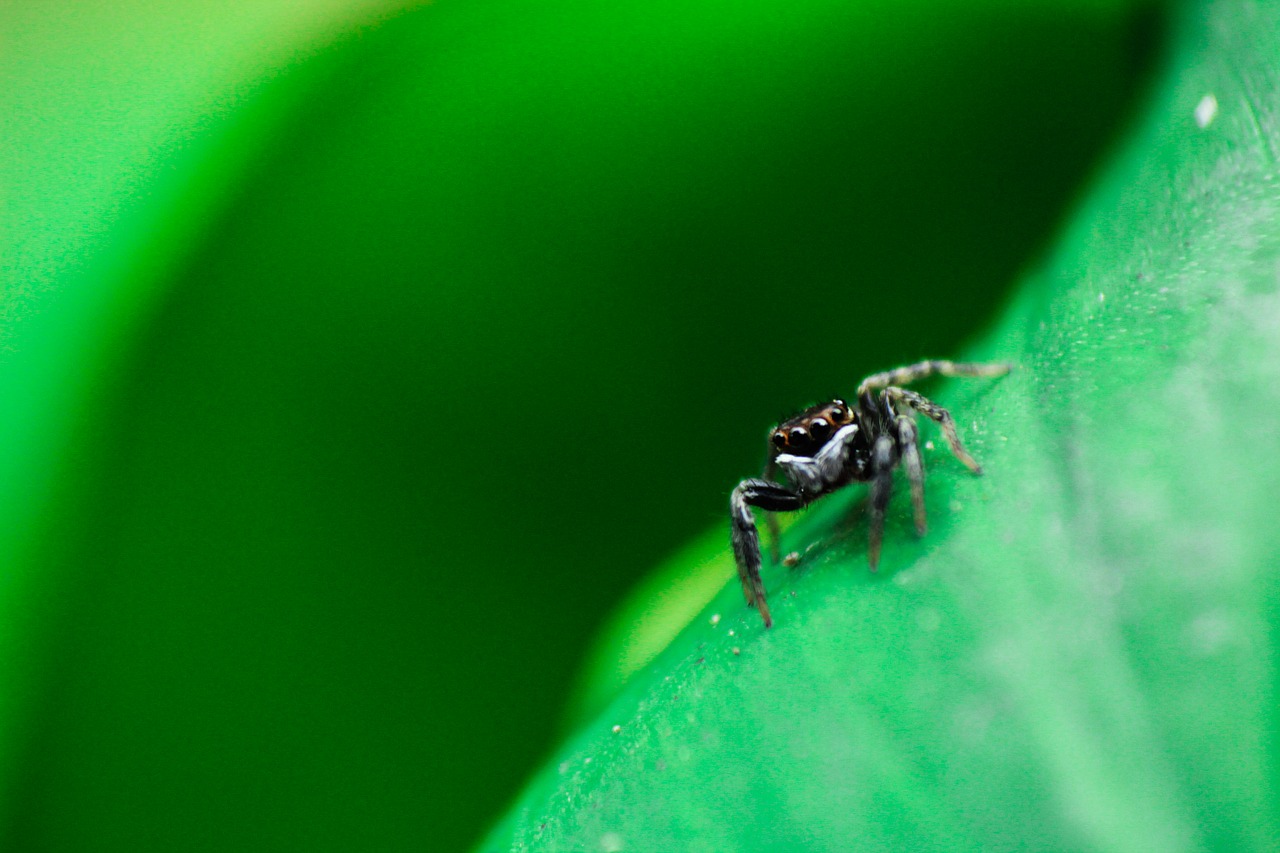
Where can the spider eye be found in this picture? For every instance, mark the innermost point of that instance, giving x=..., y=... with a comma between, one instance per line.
x=779, y=440
x=820, y=429
x=798, y=436
x=837, y=414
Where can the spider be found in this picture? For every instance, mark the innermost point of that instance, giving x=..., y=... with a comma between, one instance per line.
x=831, y=445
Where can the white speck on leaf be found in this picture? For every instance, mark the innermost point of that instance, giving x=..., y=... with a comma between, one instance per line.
x=1206, y=111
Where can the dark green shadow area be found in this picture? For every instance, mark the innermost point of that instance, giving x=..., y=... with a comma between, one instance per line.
x=491, y=328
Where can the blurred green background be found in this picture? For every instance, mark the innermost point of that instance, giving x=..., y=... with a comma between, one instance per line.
x=358, y=359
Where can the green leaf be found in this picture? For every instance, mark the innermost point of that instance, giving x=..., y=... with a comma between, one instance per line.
x=1079, y=655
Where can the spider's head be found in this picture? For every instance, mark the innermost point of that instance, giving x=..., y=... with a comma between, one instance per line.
x=804, y=434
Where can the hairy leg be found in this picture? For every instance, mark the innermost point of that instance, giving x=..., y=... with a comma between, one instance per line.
x=909, y=442
x=770, y=519
x=746, y=539
x=932, y=410
x=881, y=487
x=923, y=369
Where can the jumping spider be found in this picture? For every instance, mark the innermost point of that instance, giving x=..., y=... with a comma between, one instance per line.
x=833, y=444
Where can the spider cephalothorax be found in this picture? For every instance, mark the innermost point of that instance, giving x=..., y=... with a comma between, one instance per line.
x=805, y=433
x=833, y=444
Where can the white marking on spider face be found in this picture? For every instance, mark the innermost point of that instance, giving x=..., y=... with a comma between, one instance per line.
x=817, y=472
x=1206, y=111
x=842, y=434
x=834, y=449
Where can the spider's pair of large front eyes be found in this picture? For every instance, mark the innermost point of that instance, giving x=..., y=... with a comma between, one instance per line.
x=819, y=430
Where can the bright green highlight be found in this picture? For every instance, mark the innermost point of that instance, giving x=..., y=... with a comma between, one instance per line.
x=662, y=605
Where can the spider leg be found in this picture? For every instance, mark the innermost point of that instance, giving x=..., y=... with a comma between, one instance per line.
x=770, y=519
x=923, y=369
x=932, y=410
x=881, y=487
x=746, y=539
x=909, y=447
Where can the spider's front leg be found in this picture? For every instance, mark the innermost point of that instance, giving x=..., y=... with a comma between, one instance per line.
x=934, y=412
x=933, y=367
x=770, y=519
x=746, y=539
